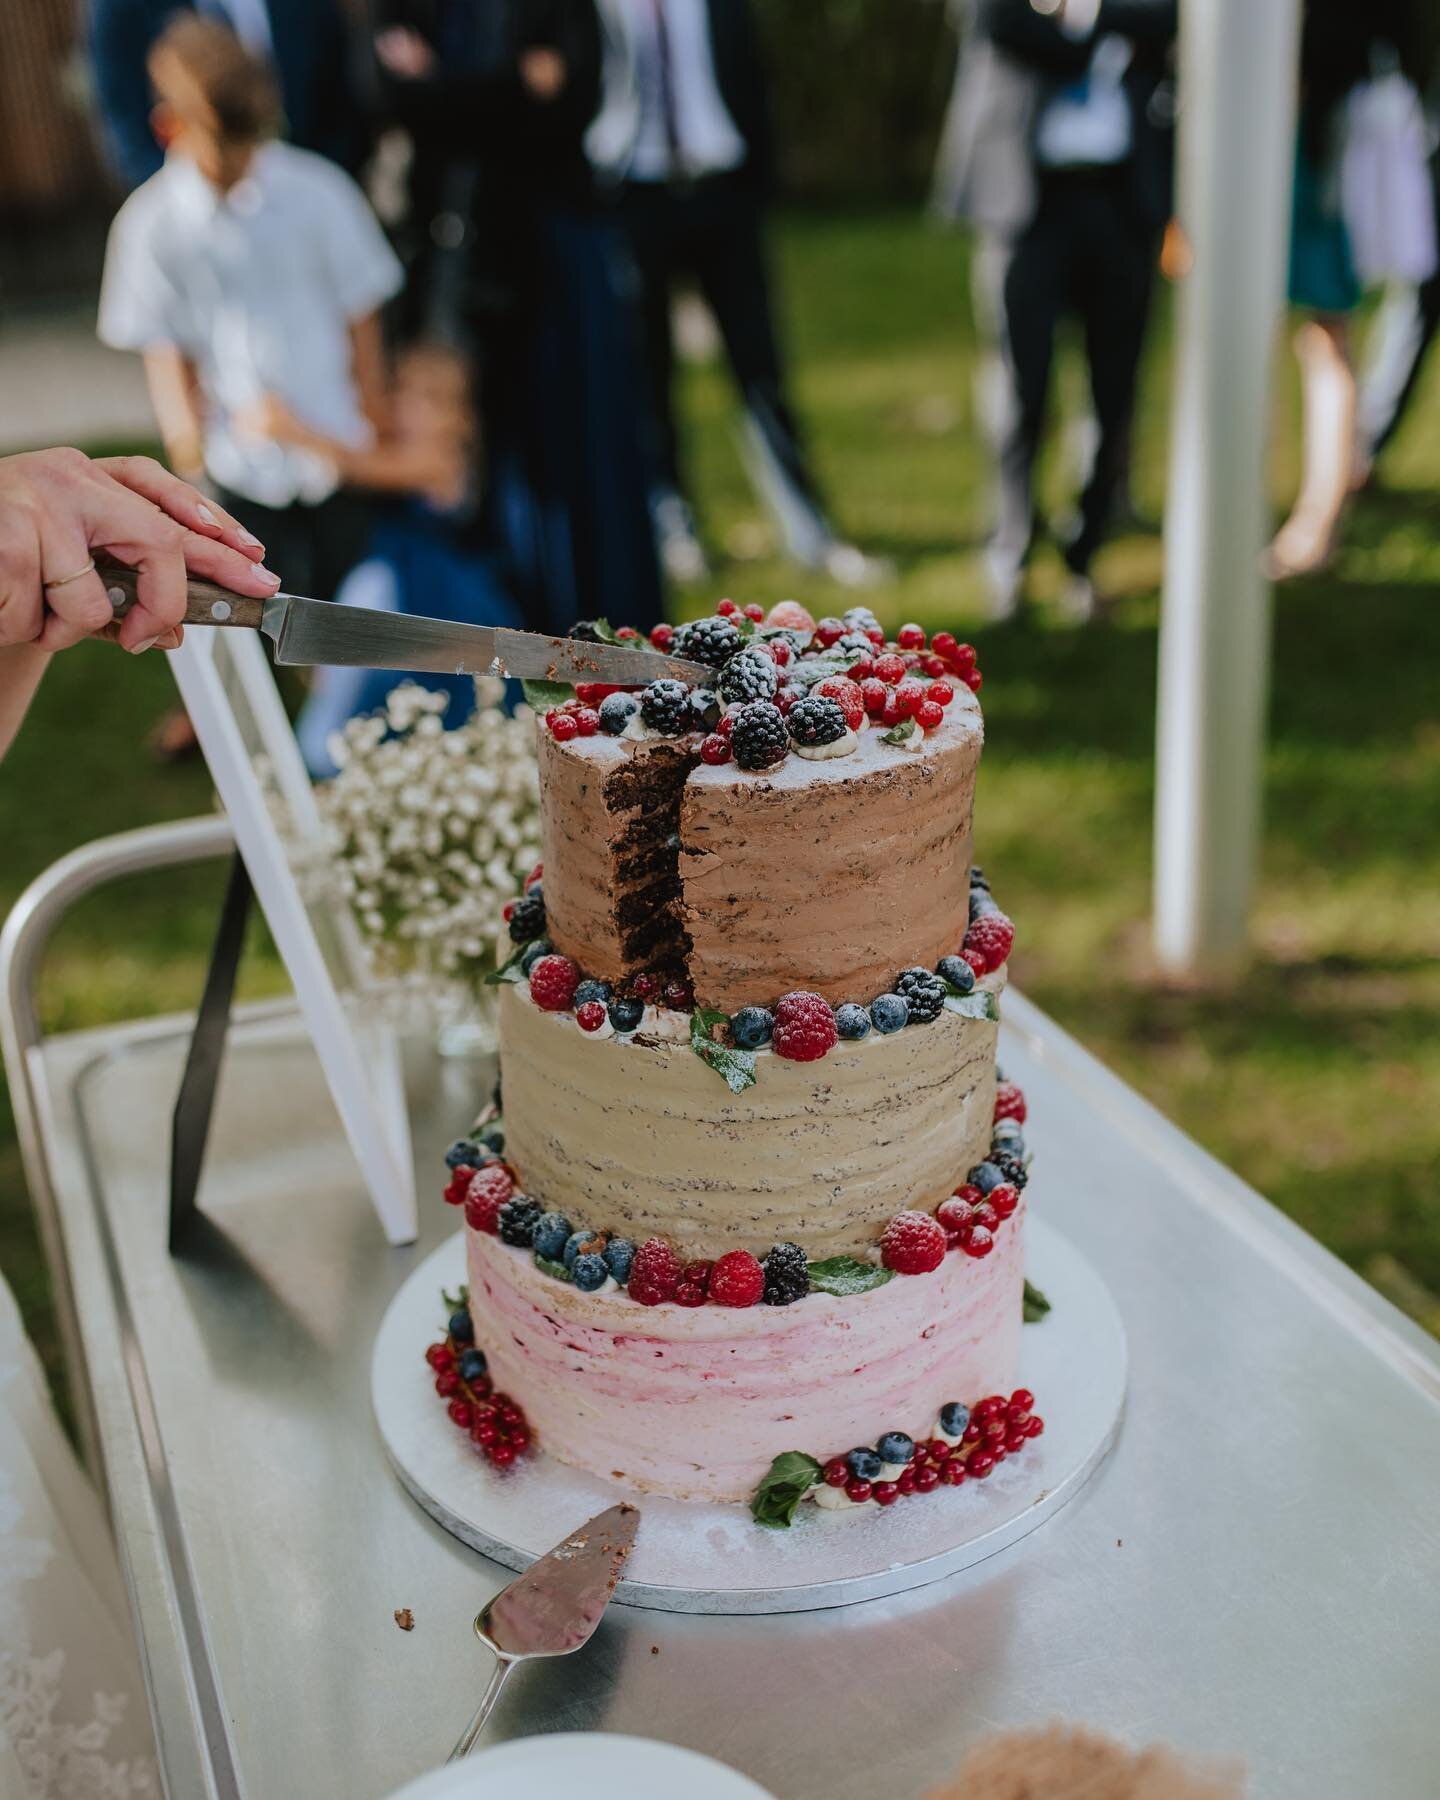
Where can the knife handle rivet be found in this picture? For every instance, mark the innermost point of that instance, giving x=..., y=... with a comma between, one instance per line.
x=116, y=597
x=220, y=611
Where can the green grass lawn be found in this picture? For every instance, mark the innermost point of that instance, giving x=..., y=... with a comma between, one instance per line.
x=1318, y=1077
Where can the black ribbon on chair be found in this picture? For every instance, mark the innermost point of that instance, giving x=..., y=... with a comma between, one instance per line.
x=195, y=1102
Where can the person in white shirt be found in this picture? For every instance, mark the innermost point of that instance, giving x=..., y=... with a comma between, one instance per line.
x=249, y=269
x=683, y=132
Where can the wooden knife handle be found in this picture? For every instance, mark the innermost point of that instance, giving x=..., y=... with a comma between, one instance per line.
x=206, y=602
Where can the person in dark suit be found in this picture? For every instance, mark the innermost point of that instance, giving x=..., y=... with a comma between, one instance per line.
x=306, y=42
x=1058, y=150
x=683, y=139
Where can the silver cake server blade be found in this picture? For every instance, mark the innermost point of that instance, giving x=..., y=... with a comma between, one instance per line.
x=554, y=1607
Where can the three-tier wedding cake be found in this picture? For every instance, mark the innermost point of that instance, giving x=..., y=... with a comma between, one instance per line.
x=745, y=1222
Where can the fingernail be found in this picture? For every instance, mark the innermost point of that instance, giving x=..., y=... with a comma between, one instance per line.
x=144, y=645
x=268, y=574
x=249, y=537
x=204, y=514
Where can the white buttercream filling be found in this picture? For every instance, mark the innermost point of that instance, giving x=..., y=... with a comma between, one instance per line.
x=843, y=746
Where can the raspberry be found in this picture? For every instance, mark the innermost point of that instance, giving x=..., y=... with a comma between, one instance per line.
x=553, y=982
x=787, y=1276
x=562, y=727
x=488, y=1191
x=694, y=1285
x=890, y=668
x=976, y=960
x=665, y=707
x=535, y=875
x=737, y=1279
x=662, y=636
x=816, y=720
x=712, y=641
x=757, y=737
x=913, y=1244
x=716, y=748
x=750, y=674
x=1009, y=1102
x=591, y=1016
x=458, y=1185
x=804, y=1027
x=848, y=696
x=874, y=693
x=527, y=918
x=655, y=1273
x=992, y=935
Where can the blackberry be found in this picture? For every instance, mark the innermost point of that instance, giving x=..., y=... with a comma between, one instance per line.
x=860, y=618
x=704, y=708
x=588, y=630
x=1012, y=1167
x=749, y=675
x=856, y=643
x=665, y=707
x=616, y=712
x=787, y=1278
x=757, y=737
x=527, y=920
x=816, y=720
x=712, y=641
x=532, y=954
x=925, y=992
x=517, y=1220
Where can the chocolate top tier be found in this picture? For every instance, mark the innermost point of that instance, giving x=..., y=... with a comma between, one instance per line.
x=828, y=875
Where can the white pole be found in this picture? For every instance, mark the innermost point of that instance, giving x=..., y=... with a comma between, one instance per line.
x=1236, y=126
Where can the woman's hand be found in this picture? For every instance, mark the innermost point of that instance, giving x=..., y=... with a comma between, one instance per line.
x=404, y=53
x=57, y=508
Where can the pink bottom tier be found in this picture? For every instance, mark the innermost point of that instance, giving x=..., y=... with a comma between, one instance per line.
x=697, y=1402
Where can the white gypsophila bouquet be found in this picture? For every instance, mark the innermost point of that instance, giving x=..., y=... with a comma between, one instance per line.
x=432, y=831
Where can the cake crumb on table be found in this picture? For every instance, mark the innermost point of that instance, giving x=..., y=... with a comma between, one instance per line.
x=654, y=1649
x=404, y=1618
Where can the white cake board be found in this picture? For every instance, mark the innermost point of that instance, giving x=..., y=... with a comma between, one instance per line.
x=699, y=1557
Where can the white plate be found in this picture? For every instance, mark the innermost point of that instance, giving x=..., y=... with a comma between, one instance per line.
x=702, y=1557
x=599, y=1765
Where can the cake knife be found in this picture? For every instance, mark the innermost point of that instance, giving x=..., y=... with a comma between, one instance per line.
x=554, y=1607
x=317, y=631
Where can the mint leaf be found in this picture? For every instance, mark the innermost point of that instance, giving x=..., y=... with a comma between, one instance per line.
x=542, y=695
x=737, y=1067
x=454, y=1302
x=606, y=632
x=1035, y=1305
x=844, y=1275
x=811, y=669
x=547, y=1266
x=979, y=1005
x=790, y=1479
x=901, y=733
x=510, y=970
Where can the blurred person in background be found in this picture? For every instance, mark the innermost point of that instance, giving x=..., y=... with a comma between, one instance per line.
x=497, y=96
x=306, y=43
x=684, y=134
x=247, y=268
x=1058, y=152
x=423, y=555
x=1342, y=46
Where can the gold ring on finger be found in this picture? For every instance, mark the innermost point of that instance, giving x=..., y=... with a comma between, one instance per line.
x=65, y=580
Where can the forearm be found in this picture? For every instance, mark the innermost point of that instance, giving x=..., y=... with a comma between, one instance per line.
x=21, y=666
x=175, y=396
x=367, y=362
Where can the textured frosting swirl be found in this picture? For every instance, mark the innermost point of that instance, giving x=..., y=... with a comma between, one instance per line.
x=640, y=1137
x=697, y=1402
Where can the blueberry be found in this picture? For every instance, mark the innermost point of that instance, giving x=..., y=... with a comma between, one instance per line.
x=985, y=1176
x=895, y=1447
x=751, y=1027
x=532, y=954
x=552, y=1233
x=981, y=903
x=954, y=1417
x=494, y=1139
x=626, y=1014
x=977, y=878
x=1008, y=1136
x=616, y=711
x=593, y=990
x=889, y=1012
x=571, y=1247
x=957, y=972
x=864, y=1464
x=589, y=1272
x=619, y=1254
x=464, y=1152
x=462, y=1328
x=852, y=1021
x=472, y=1365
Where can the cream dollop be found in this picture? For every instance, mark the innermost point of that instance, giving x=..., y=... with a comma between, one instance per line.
x=843, y=746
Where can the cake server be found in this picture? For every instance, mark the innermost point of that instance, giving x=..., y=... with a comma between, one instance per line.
x=317, y=631
x=554, y=1607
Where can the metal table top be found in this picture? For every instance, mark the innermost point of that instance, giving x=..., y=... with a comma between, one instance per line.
x=1253, y=1571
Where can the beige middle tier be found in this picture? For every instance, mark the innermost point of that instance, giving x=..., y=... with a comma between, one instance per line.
x=637, y=1136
